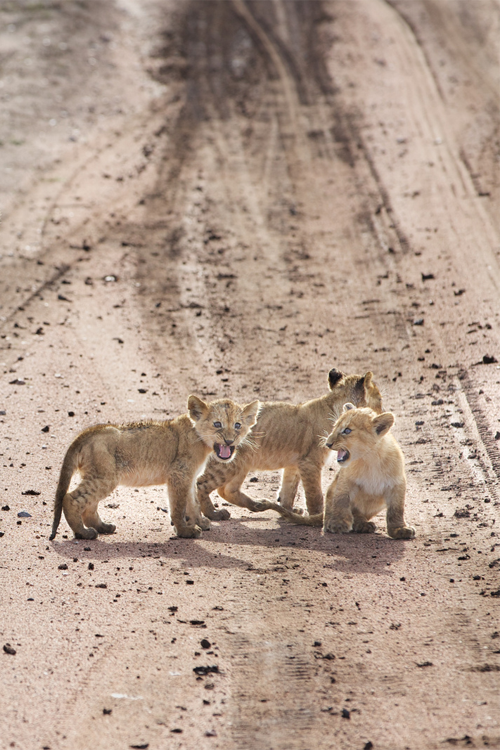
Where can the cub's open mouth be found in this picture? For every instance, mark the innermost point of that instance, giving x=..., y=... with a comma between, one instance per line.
x=224, y=452
x=343, y=456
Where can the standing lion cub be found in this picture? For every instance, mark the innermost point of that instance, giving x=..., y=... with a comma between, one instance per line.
x=171, y=452
x=371, y=477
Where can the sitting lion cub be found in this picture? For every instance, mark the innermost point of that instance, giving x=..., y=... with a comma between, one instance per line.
x=371, y=477
x=145, y=453
x=288, y=437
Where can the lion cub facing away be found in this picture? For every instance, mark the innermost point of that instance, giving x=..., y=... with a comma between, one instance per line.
x=171, y=452
x=371, y=477
x=289, y=437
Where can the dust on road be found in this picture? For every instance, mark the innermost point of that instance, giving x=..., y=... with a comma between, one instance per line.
x=230, y=198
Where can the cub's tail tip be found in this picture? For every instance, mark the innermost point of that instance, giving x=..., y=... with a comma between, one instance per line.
x=52, y=537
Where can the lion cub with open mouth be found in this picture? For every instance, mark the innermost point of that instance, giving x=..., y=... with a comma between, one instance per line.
x=171, y=452
x=371, y=477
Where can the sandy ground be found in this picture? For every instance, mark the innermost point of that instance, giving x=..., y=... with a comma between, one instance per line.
x=230, y=198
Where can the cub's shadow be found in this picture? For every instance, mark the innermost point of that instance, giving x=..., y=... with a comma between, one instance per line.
x=348, y=553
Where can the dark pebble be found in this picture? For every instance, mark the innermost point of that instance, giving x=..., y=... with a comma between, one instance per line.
x=206, y=670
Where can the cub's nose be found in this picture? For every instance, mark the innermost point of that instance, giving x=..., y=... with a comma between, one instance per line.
x=228, y=442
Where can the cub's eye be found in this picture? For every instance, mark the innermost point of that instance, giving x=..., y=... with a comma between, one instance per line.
x=217, y=424
x=237, y=425
x=346, y=431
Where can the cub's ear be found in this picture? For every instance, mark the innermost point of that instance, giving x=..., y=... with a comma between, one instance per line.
x=348, y=407
x=363, y=385
x=333, y=378
x=368, y=379
x=196, y=408
x=250, y=413
x=383, y=423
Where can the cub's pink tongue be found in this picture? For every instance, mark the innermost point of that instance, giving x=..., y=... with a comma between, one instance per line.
x=224, y=451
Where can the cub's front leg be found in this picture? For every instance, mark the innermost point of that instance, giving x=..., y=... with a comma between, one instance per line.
x=396, y=525
x=180, y=500
x=289, y=484
x=194, y=513
x=337, y=516
x=310, y=474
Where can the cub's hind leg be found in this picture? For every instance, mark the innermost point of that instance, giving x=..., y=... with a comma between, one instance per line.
x=231, y=491
x=214, y=476
x=80, y=507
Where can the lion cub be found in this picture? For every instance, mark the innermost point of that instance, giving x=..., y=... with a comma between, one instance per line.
x=371, y=477
x=287, y=436
x=171, y=452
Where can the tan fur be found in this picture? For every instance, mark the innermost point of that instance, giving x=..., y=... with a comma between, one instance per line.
x=371, y=479
x=288, y=437
x=141, y=454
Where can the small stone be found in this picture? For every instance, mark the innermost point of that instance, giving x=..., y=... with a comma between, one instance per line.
x=62, y=566
x=9, y=650
x=206, y=670
x=204, y=643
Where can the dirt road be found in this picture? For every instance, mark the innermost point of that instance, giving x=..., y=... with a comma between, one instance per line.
x=230, y=197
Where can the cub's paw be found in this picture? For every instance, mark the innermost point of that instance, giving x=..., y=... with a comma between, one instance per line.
x=106, y=528
x=220, y=515
x=259, y=505
x=89, y=533
x=364, y=527
x=203, y=523
x=188, y=532
x=334, y=526
x=403, y=532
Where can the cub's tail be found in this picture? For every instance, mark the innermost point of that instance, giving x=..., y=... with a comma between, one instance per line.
x=67, y=470
x=298, y=518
